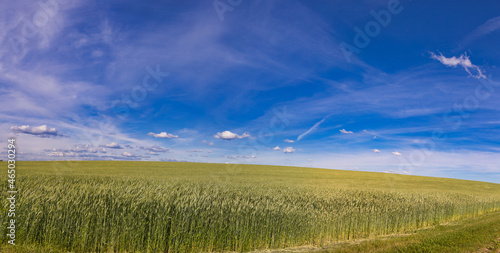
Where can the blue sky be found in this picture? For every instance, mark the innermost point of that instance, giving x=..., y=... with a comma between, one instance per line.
x=407, y=87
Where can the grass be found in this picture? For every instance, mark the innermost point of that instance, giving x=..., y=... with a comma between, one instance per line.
x=479, y=234
x=189, y=207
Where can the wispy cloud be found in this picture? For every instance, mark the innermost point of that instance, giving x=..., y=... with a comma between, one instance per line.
x=396, y=171
x=488, y=27
x=208, y=143
x=239, y=156
x=345, y=131
x=83, y=148
x=194, y=150
x=289, y=141
x=313, y=128
x=288, y=150
x=155, y=148
x=25, y=31
x=462, y=61
x=376, y=151
x=396, y=153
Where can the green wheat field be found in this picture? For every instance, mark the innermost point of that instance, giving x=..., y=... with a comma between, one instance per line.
x=108, y=206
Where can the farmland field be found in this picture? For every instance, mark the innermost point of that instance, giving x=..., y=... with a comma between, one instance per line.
x=97, y=206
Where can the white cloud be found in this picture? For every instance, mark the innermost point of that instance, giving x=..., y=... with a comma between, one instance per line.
x=462, y=61
x=155, y=149
x=132, y=156
x=288, y=150
x=227, y=135
x=163, y=135
x=113, y=145
x=56, y=154
x=81, y=149
x=345, y=131
x=376, y=151
x=484, y=29
x=314, y=127
x=175, y=160
x=97, y=53
x=41, y=131
x=391, y=171
x=208, y=143
x=396, y=172
x=289, y=141
x=396, y=153
x=239, y=156
x=277, y=148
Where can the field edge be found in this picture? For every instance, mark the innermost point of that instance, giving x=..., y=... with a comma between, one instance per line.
x=478, y=234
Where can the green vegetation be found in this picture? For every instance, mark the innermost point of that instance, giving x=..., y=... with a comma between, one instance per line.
x=188, y=207
x=479, y=234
